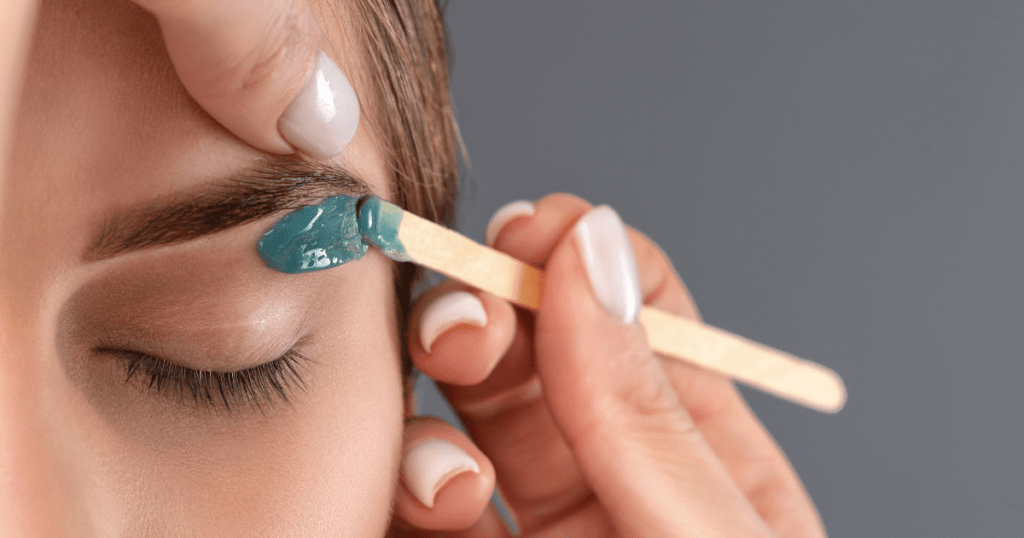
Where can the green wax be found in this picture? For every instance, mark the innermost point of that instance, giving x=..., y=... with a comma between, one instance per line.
x=314, y=237
x=379, y=222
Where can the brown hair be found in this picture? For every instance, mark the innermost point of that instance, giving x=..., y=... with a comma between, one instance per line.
x=407, y=73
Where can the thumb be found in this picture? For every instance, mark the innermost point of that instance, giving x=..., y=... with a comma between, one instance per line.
x=644, y=459
x=256, y=67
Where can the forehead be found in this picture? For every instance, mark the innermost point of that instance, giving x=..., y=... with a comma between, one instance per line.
x=104, y=123
x=99, y=70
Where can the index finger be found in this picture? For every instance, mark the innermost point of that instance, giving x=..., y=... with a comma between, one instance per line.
x=505, y=413
x=15, y=31
x=259, y=69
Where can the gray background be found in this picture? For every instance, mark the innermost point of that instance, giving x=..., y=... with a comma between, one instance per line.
x=841, y=180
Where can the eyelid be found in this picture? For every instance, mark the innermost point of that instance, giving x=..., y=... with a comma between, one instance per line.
x=254, y=387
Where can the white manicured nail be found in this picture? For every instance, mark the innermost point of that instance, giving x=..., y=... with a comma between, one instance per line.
x=610, y=263
x=507, y=213
x=323, y=117
x=428, y=466
x=447, y=311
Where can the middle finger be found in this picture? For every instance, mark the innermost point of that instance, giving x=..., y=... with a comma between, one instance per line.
x=505, y=412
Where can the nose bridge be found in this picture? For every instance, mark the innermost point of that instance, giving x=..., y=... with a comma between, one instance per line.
x=35, y=500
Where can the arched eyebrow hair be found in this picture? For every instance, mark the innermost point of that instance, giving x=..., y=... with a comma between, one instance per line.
x=247, y=195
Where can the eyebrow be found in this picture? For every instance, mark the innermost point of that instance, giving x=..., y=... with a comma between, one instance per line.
x=245, y=196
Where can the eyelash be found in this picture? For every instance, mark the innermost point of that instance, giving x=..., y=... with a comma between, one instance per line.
x=260, y=385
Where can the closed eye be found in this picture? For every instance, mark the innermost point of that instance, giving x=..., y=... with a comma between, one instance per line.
x=257, y=386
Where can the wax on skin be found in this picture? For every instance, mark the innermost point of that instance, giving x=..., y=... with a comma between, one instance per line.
x=379, y=222
x=317, y=237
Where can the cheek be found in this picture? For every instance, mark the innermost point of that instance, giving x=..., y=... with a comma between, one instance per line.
x=361, y=428
x=325, y=462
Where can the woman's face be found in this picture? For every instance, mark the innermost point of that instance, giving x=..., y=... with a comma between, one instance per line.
x=109, y=146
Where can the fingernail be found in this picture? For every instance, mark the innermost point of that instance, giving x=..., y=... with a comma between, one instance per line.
x=507, y=213
x=448, y=310
x=323, y=117
x=611, y=266
x=428, y=466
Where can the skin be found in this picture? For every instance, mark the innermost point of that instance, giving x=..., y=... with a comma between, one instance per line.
x=591, y=433
x=586, y=431
x=134, y=461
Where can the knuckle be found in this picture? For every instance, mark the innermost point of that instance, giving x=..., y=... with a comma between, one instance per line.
x=638, y=401
x=563, y=202
x=649, y=400
x=650, y=258
x=563, y=197
x=443, y=288
x=648, y=416
x=660, y=283
x=504, y=403
x=645, y=396
x=287, y=46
